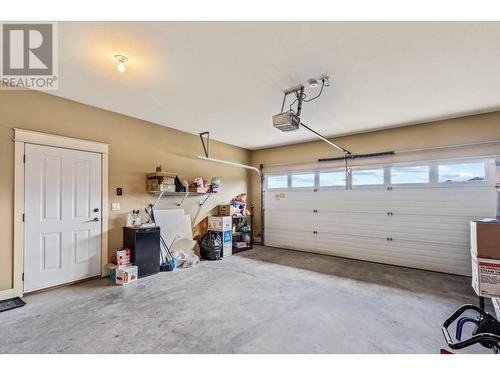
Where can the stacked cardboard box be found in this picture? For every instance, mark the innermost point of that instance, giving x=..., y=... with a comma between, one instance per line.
x=123, y=257
x=122, y=272
x=485, y=253
x=126, y=275
x=228, y=210
x=223, y=225
x=161, y=181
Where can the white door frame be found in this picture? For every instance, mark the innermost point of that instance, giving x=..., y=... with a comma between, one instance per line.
x=21, y=137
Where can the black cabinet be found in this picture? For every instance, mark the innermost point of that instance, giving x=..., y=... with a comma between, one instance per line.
x=144, y=244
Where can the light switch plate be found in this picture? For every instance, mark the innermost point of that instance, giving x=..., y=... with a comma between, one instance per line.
x=115, y=206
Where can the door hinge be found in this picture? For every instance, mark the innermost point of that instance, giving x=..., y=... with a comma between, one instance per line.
x=22, y=277
x=23, y=217
x=24, y=158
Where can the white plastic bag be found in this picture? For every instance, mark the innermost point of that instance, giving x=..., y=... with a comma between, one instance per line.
x=185, y=258
x=183, y=252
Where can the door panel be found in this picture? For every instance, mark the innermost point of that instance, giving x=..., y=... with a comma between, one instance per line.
x=62, y=192
x=51, y=187
x=51, y=251
x=81, y=184
x=81, y=245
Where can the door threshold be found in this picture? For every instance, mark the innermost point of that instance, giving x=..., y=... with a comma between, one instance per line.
x=69, y=283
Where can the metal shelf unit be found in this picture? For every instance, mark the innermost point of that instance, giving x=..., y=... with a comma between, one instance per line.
x=249, y=218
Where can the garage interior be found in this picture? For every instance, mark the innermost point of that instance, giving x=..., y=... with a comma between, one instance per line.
x=354, y=167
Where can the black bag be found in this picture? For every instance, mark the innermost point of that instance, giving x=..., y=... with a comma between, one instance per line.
x=211, y=246
x=179, y=187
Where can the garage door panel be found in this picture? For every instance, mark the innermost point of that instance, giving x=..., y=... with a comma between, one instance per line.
x=327, y=220
x=441, y=210
x=425, y=201
x=435, y=257
x=451, y=238
x=361, y=228
x=454, y=231
x=439, y=194
x=334, y=200
x=472, y=201
x=365, y=243
x=402, y=253
x=423, y=228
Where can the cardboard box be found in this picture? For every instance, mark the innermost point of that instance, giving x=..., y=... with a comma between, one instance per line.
x=485, y=239
x=123, y=257
x=227, y=249
x=168, y=188
x=228, y=236
x=193, y=188
x=496, y=306
x=111, y=270
x=159, y=180
x=486, y=277
x=224, y=209
x=126, y=275
x=228, y=210
x=220, y=223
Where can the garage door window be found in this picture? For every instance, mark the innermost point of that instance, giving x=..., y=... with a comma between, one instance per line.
x=332, y=178
x=410, y=175
x=463, y=172
x=303, y=180
x=368, y=177
x=277, y=181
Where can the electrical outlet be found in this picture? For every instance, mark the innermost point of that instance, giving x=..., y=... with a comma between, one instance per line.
x=115, y=206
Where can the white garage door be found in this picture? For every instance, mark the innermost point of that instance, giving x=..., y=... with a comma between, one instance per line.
x=415, y=216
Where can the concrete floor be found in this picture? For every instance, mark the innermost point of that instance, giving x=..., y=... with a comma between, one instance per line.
x=261, y=301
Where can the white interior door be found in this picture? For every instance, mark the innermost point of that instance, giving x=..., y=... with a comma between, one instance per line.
x=62, y=216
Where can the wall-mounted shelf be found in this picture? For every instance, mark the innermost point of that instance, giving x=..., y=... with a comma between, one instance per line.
x=184, y=195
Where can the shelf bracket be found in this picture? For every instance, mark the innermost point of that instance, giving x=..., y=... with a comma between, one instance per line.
x=183, y=199
x=157, y=199
x=202, y=202
x=206, y=146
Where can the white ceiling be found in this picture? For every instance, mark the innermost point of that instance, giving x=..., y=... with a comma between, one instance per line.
x=228, y=77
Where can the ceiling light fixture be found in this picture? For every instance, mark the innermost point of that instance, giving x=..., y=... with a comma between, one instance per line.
x=121, y=63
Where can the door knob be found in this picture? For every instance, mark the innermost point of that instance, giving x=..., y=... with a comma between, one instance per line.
x=96, y=219
x=96, y=210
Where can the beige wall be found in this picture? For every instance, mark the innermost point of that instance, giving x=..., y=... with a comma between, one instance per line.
x=136, y=147
x=470, y=129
